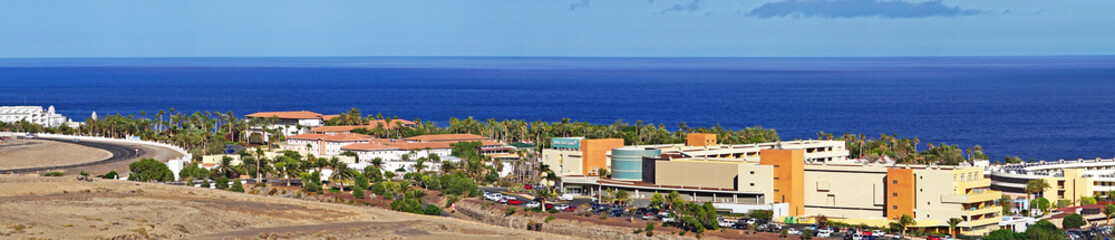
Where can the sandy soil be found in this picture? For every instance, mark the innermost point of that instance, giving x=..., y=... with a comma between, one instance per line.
x=40, y=153
x=63, y=208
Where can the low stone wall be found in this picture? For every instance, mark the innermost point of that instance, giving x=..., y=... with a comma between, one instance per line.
x=495, y=216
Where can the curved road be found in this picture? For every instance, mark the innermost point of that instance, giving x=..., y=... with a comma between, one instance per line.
x=119, y=153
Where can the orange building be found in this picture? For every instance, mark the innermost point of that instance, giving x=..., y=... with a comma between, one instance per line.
x=901, y=197
x=788, y=177
x=595, y=154
x=700, y=139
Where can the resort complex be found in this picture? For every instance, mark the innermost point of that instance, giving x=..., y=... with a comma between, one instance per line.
x=35, y=115
x=797, y=180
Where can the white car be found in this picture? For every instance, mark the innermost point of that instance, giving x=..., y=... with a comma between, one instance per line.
x=726, y=223
x=666, y=219
x=878, y=234
x=493, y=196
x=533, y=204
x=566, y=197
x=824, y=232
x=561, y=207
x=793, y=231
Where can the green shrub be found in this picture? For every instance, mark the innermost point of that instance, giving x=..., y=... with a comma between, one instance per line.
x=53, y=174
x=204, y=183
x=407, y=205
x=147, y=170
x=379, y=188
x=1073, y=221
x=237, y=186
x=1044, y=230
x=112, y=175
x=222, y=183
x=510, y=211
x=548, y=219
x=432, y=210
x=358, y=193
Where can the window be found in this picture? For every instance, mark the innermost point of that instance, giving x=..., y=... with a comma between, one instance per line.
x=752, y=172
x=894, y=194
x=752, y=184
x=894, y=207
x=894, y=181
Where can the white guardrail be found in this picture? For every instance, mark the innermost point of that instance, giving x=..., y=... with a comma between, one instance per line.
x=176, y=165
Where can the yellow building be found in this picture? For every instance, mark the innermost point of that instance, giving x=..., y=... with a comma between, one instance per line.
x=579, y=156
x=1070, y=186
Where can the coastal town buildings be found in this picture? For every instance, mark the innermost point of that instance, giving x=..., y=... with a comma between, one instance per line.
x=1069, y=180
x=34, y=115
x=288, y=123
x=797, y=180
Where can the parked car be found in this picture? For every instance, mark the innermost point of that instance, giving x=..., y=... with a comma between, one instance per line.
x=533, y=204
x=549, y=206
x=561, y=207
x=514, y=201
x=793, y=231
x=493, y=196
x=648, y=216
x=504, y=199
x=726, y=223
x=771, y=227
x=528, y=186
x=824, y=232
x=570, y=209
x=618, y=212
x=933, y=237
x=878, y=233
x=666, y=219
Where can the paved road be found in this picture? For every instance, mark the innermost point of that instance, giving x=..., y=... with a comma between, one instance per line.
x=119, y=153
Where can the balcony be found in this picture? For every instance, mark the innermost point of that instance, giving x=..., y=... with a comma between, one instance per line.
x=986, y=182
x=982, y=211
x=972, y=198
x=981, y=222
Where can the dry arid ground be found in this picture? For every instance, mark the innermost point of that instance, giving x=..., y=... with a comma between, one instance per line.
x=41, y=153
x=64, y=208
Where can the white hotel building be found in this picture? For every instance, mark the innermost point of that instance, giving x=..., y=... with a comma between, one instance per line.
x=33, y=114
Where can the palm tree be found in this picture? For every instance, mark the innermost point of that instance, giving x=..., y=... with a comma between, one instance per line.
x=1035, y=186
x=952, y=225
x=341, y=173
x=226, y=167
x=378, y=162
x=419, y=164
x=1108, y=211
x=906, y=221
x=288, y=167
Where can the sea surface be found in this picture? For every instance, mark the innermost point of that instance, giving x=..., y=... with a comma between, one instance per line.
x=1033, y=107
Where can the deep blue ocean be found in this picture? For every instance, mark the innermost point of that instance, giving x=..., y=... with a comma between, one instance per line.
x=1033, y=107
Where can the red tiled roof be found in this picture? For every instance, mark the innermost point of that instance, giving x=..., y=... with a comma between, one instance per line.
x=327, y=117
x=340, y=137
x=367, y=146
x=406, y=146
x=287, y=115
x=336, y=129
x=447, y=138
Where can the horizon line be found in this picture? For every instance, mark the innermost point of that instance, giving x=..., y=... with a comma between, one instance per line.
x=540, y=56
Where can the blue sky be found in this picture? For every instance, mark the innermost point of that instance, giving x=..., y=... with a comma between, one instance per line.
x=613, y=28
